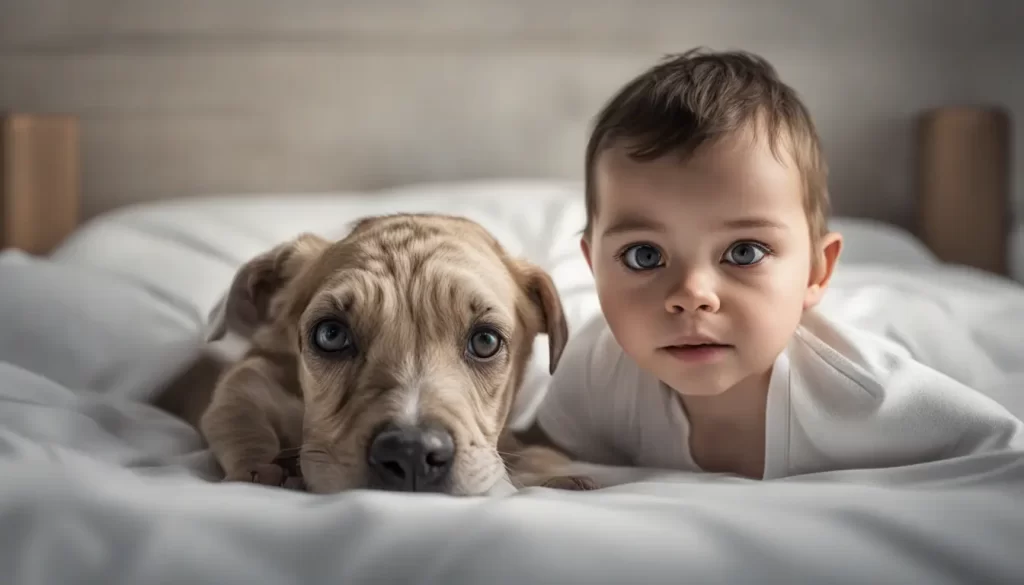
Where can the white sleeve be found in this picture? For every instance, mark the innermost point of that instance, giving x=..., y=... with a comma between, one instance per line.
x=980, y=423
x=573, y=413
x=864, y=400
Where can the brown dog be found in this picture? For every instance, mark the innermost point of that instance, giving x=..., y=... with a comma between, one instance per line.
x=391, y=359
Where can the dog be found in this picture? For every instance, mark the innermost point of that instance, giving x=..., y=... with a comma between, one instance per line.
x=389, y=359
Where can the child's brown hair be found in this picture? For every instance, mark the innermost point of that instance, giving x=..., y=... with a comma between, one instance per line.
x=699, y=96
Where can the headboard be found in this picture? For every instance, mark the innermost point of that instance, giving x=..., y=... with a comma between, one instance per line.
x=260, y=96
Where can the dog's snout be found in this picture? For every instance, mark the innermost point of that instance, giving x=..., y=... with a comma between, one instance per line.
x=408, y=458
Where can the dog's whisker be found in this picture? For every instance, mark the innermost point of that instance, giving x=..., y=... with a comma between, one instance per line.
x=516, y=482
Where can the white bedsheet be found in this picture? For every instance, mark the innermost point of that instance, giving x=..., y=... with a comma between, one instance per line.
x=69, y=519
x=98, y=487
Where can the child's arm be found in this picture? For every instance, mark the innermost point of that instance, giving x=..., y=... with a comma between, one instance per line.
x=985, y=425
x=573, y=417
x=866, y=402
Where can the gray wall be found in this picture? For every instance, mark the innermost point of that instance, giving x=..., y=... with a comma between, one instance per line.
x=189, y=97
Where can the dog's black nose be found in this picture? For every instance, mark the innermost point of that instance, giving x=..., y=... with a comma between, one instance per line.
x=412, y=459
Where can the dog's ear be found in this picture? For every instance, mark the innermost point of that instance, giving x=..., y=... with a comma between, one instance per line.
x=541, y=290
x=247, y=302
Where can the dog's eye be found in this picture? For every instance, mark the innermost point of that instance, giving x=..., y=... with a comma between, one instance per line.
x=332, y=336
x=484, y=343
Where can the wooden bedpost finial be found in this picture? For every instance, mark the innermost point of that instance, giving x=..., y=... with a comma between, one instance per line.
x=39, y=180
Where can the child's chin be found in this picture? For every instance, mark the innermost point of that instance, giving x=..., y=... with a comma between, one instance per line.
x=697, y=385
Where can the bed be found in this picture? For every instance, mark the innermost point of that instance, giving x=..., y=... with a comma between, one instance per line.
x=100, y=486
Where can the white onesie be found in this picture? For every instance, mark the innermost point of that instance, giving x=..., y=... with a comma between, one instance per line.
x=839, y=398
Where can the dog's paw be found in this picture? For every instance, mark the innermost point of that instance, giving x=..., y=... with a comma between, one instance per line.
x=261, y=473
x=294, y=483
x=284, y=471
x=268, y=474
x=576, y=483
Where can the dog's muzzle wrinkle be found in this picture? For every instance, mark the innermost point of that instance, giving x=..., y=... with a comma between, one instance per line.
x=411, y=458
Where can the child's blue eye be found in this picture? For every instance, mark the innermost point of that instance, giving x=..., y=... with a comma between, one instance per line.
x=641, y=257
x=745, y=253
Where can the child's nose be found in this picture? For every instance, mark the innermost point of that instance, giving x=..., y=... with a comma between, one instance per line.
x=693, y=292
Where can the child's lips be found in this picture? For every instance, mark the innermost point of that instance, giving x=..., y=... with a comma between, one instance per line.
x=698, y=351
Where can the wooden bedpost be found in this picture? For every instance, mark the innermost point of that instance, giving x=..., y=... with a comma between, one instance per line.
x=40, y=181
x=964, y=164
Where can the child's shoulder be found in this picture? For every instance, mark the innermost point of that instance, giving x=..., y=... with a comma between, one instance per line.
x=595, y=360
x=857, y=358
x=844, y=362
x=593, y=395
x=594, y=337
x=862, y=378
x=594, y=348
x=861, y=358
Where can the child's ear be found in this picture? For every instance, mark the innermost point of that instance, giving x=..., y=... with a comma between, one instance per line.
x=826, y=255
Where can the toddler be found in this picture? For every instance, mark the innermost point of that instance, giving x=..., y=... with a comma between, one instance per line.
x=706, y=198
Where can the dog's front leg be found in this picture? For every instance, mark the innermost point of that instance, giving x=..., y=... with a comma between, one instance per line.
x=542, y=466
x=248, y=417
x=545, y=467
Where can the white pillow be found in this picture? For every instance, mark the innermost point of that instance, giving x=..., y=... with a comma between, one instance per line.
x=188, y=249
x=184, y=252
x=88, y=330
x=869, y=241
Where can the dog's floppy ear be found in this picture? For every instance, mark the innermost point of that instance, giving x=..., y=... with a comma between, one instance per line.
x=540, y=289
x=247, y=301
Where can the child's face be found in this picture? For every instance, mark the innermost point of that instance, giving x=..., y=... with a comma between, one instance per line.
x=714, y=250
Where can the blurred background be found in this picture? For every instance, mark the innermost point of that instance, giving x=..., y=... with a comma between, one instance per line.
x=178, y=98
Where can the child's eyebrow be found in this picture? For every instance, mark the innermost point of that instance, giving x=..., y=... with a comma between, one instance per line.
x=633, y=223
x=753, y=222
x=636, y=223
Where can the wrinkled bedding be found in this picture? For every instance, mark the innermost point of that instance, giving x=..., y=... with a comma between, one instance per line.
x=101, y=490
x=100, y=487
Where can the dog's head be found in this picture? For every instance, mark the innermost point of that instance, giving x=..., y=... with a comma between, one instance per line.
x=411, y=335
